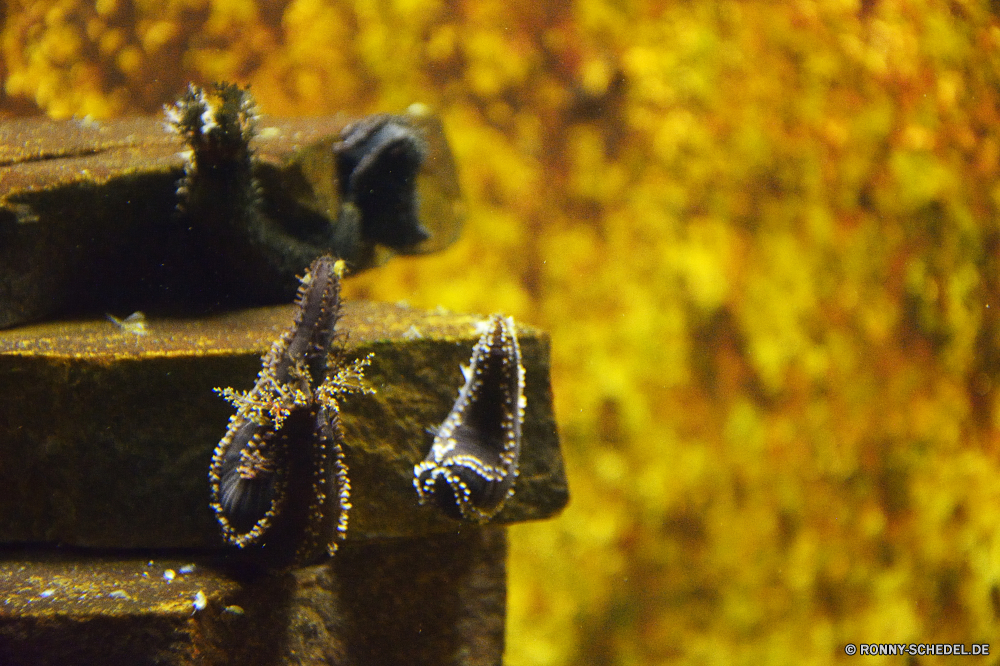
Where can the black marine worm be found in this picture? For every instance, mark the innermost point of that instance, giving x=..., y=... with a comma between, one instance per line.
x=470, y=470
x=217, y=125
x=278, y=477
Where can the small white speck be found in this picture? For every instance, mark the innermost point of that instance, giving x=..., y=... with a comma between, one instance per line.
x=45, y=594
x=169, y=575
x=200, y=601
x=135, y=323
x=119, y=594
x=186, y=569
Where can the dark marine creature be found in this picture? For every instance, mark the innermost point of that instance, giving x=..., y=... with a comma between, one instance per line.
x=218, y=165
x=470, y=470
x=376, y=160
x=278, y=478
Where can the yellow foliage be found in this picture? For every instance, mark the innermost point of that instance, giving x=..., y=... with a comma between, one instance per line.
x=764, y=239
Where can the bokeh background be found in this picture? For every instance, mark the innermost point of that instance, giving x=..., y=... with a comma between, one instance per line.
x=764, y=238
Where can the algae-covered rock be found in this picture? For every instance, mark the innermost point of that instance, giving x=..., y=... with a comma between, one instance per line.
x=102, y=216
x=107, y=432
x=436, y=600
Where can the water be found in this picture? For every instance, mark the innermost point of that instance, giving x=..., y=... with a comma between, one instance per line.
x=763, y=239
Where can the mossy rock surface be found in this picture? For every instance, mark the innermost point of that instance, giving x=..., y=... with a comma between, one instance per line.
x=107, y=435
x=432, y=601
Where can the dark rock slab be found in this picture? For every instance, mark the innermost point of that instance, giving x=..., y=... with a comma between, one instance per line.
x=437, y=600
x=106, y=436
x=89, y=219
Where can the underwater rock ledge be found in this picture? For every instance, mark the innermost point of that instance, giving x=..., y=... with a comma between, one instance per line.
x=97, y=217
x=429, y=601
x=106, y=435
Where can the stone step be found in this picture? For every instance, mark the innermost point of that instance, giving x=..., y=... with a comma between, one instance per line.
x=435, y=601
x=89, y=216
x=106, y=435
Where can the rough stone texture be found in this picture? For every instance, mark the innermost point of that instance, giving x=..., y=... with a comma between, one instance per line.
x=89, y=220
x=438, y=601
x=106, y=436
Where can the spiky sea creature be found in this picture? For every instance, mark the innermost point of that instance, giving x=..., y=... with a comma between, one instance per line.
x=279, y=484
x=470, y=470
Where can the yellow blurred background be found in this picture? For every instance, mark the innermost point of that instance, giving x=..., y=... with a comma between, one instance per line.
x=764, y=238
